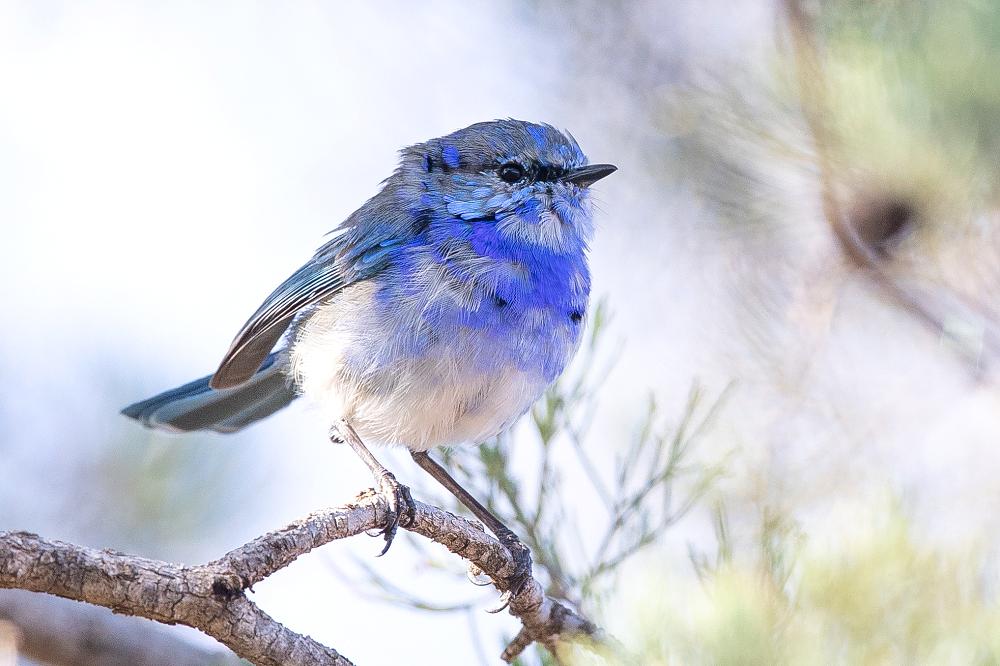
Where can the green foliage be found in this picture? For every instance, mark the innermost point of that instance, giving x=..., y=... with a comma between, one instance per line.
x=877, y=595
x=914, y=95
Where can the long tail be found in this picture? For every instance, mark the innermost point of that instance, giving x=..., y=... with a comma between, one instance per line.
x=195, y=406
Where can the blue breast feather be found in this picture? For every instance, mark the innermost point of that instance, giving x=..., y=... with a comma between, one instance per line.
x=524, y=300
x=468, y=266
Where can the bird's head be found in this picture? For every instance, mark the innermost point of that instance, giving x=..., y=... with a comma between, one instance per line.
x=529, y=180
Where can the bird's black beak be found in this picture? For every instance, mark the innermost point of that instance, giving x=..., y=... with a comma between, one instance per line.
x=588, y=175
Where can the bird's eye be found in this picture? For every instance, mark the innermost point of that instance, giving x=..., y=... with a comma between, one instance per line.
x=510, y=172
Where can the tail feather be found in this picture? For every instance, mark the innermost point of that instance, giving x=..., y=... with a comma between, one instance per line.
x=196, y=406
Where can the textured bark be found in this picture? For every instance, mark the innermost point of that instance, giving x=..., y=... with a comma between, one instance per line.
x=211, y=597
x=199, y=597
x=59, y=631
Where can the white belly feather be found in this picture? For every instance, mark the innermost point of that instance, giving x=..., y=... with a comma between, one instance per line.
x=437, y=399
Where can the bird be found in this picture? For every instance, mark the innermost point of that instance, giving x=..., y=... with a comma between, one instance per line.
x=435, y=315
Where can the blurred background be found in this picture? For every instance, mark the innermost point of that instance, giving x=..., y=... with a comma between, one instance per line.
x=798, y=337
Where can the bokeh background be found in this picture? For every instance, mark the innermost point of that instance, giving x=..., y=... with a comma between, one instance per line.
x=162, y=167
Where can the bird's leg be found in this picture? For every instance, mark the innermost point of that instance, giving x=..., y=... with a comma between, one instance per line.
x=517, y=550
x=397, y=496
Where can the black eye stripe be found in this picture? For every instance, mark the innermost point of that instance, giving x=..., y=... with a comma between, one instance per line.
x=512, y=172
x=548, y=173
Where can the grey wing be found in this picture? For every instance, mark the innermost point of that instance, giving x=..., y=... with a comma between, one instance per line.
x=310, y=284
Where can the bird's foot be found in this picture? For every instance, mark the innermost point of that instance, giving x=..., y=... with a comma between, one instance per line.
x=518, y=580
x=400, y=509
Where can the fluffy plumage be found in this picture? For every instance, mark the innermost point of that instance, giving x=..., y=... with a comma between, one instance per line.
x=441, y=309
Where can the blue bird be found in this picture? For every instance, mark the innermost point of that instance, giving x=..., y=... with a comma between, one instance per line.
x=437, y=314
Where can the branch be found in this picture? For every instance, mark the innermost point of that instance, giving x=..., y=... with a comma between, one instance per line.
x=58, y=631
x=199, y=597
x=211, y=597
x=811, y=79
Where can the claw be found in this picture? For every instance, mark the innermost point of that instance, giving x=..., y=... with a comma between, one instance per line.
x=504, y=602
x=522, y=562
x=400, y=508
x=517, y=581
x=476, y=576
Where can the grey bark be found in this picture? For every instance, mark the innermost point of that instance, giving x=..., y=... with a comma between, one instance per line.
x=211, y=597
x=69, y=633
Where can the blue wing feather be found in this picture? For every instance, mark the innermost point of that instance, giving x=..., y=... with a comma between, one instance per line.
x=365, y=243
x=322, y=277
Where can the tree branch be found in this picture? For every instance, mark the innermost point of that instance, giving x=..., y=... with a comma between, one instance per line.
x=932, y=310
x=211, y=597
x=51, y=630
